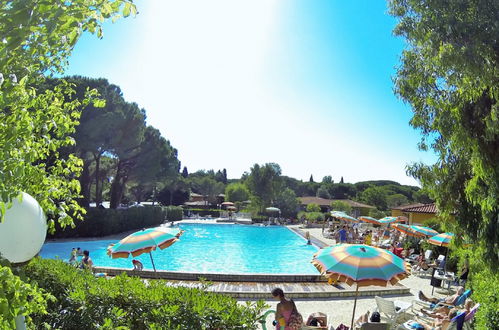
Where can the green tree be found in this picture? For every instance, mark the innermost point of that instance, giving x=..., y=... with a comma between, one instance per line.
x=208, y=187
x=127, y=142
x=263, y=183
x=374, y=196
x=311, y=178
x=38, y=39
x=322, y=192
x=396, y=200
x=377, y=214
x=156, y=162
x=236, y=192
x=313, y=208
x=341, y=206
x=327, y=179
x=449, y=75
x=185, y=173
x=287, y=202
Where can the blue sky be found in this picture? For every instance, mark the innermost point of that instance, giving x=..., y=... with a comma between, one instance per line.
x=305, y=84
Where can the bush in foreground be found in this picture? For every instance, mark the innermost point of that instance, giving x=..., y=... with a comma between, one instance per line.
x=85, y=302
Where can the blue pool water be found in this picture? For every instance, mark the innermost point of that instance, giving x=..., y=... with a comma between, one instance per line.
x=212, y=248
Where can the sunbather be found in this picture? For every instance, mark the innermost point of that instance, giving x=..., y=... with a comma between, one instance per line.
x=448, y=300
x=439, y=324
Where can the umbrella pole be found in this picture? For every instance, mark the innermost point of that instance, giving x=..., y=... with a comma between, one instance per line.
x=354, y=305
x=153, y=267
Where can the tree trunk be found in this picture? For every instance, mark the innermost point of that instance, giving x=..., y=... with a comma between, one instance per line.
x=118, y=186
x=85, y=182
x=98, y=189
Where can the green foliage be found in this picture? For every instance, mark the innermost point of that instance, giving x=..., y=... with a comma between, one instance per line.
x=396, y=200
x=19, y=298
x=86, y=302
x=236, y=192
x=287, y=202
x=35, y=125
x=434, y=223
x=374, y=196
x=377, y=214
x=322, y=192
x=486, y=292
x=313, y=208
x=174, y=213
x=449, y=76
x=341, y=206
x=102, y=222
x=206, y=186
x=263, y=183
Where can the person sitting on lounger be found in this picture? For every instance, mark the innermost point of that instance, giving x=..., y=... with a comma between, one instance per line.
x=439, y=324
x=451, y=300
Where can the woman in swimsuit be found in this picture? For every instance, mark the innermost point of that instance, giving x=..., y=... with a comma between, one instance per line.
x=284, y=309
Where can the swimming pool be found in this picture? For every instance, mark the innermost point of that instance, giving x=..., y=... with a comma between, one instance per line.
x=212, y=248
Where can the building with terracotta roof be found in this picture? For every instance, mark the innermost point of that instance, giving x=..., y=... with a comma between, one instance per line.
x=416, y=213
x=358, y=209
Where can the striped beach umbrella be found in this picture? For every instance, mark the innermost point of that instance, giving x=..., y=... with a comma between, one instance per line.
x=144, y=241
x=360, y=264
x=406, y=229
x=387, y=220
x=370, y=220
x=343, y=216
x=441, y=239
x=424, y=231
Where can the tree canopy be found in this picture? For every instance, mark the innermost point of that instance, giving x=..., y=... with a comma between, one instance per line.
x=449, y=75
x=37, y=38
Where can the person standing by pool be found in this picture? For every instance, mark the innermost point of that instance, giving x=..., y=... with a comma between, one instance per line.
x=72, y=257
x=286, y=315
x=343, y=234
x=86, y=261
x=307, y=236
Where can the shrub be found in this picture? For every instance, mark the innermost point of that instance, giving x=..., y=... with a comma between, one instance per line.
x=174, y=213
x=85, y=302
x=18, y=298
x=341, y=206
x=486, y=292
x=103, y=222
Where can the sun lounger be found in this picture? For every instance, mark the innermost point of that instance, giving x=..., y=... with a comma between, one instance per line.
x=391, y=310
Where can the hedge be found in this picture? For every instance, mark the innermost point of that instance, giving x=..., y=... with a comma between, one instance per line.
x=174, y=213
x=86, y=302
x=103, y=222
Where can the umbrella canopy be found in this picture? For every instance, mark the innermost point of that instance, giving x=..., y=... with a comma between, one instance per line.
x=386, y=220
x=227, y=204
x=343, y=216
x=370, y=220
x=361, y=264
x=441, y=239
x=232, y=208
x=272, y=209
x=406, y=229
x=425, y=231
x=144, y=241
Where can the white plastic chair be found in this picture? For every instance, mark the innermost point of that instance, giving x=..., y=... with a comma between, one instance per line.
x=388, y=308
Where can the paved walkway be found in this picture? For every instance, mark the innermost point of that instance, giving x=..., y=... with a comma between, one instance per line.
x=306, y=290
x=339, y=309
